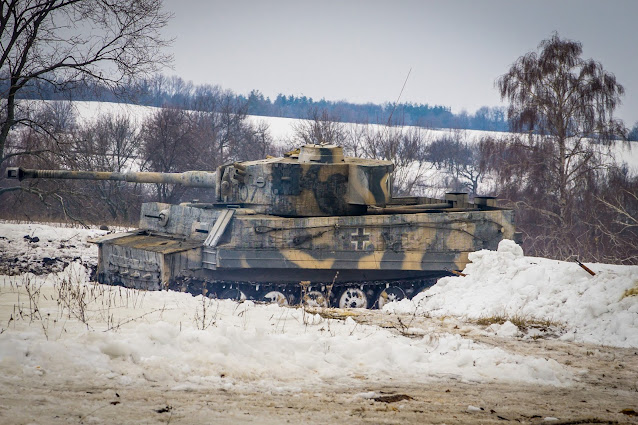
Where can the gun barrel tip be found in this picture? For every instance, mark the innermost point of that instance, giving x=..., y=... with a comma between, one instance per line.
x=14, y=173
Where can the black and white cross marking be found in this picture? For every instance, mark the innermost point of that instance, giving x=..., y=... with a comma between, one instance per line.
x=360, y=239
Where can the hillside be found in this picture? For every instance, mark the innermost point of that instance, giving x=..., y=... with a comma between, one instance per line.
x=281, y=129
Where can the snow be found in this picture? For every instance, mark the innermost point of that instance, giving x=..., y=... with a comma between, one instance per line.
x=60, y=327
x=162, y=337
x=507, y=329
x=34, y=246
x=264, y=346
x=89, y=111
x=592, y=309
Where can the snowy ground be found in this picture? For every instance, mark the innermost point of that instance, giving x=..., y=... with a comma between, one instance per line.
x=75, y=351
x=595, y=309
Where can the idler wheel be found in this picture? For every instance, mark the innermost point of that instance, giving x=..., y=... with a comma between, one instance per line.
x=392, y=293
x=275, y=297
x=233, y=294
x=353, y=298
x=315, y=299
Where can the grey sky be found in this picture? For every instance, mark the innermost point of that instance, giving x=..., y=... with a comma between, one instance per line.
x=362, y=51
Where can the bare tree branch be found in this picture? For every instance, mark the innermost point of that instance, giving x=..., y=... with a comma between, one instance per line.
x=68, y=41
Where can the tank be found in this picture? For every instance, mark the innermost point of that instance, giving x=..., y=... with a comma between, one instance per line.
x=312, y=227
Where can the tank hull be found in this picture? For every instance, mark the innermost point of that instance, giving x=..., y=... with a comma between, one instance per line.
x=217, y=250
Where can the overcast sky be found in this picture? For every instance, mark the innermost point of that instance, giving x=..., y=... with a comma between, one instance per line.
x=362, y=51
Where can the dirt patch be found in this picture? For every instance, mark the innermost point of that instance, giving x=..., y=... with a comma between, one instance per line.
x=11, y=265
x=427, y=402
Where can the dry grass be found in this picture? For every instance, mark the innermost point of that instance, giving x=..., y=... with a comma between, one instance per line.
x=73, y=298
x=521, y=321
x=631, y=292
x=332, y=313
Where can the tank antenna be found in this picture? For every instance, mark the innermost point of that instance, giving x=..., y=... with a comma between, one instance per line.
x=398, y=98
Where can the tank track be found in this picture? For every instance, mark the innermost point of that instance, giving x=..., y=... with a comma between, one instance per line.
x=321, y=294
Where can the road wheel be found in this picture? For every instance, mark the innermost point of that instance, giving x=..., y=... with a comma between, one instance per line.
x=315, y=299
x=275, y=297
x=353, y=298
x=233, y=294
x=392, y=293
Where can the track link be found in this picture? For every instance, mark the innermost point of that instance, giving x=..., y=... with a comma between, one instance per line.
x=322, y=294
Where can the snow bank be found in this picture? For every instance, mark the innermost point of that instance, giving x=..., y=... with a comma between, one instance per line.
x=128, y=338
x=592, y=308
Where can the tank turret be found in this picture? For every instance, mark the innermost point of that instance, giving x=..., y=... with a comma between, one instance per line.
x=314, y=217
x=316, y=180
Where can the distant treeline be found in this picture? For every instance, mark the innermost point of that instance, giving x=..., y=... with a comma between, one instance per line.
x=422, y=115
x=174, y=91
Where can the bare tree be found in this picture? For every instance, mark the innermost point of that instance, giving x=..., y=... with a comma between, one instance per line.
x=552, y=175
x=616, y=223
x=319, y=128
x=569, y=103
x=225, y=133
x=111, y=144
x=460, y=158
x=43, y=149
x=165, y=137
x=168, y=146
x=257, y=141
x=66, y=42
x=41, y=146
x=405, y=146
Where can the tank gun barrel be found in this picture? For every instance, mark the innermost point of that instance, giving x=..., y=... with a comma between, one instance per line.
x=188, y=178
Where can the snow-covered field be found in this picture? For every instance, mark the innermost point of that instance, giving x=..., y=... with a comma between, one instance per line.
x=88, y=111
x=166, y=334
x=282, y=129
x=59, y=331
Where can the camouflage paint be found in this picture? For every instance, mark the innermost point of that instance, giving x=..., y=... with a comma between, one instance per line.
x=306, y=216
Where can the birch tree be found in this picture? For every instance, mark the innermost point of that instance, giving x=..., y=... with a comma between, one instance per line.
x=561, y=99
